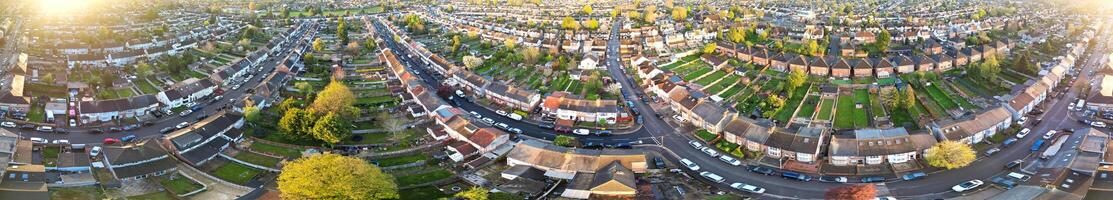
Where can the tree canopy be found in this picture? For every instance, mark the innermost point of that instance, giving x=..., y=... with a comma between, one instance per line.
x=331, y=128
x=473, y=193
x=336, y=97
x=679, y=13
x=332, y=176
x=950, y=155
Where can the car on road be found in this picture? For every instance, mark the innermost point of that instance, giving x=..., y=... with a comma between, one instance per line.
x=581, y=132
x=28, y=126
x=182, y=125
x=128, y=138
x=500, y=112
x=111, y=140
x=968, y=185
x=1014, y=164
x=730, y=160
x=695, y=144
x=114, y=129
x=1008, y=142
x=95, y=151
x=37, y=140
x=515, y=116
x=621, y=145
x=131, y=127
x=1003, y=182
x=546, y=125
x=762, y=170
x=712, y=176
x=833, y=179
x=796, y=176
x=1049, y=134
x=60, y=142
x=710, y=151
x=8, y=124
x=488, y=120
x=1019, y=176
x=747, y=188
x=678, y=118
x=516, y=130
x=689, y=164
x=1023, y=132
x=592, y=145
x=45, y=129
x=1098, y=124
x=913, y=176
x=603, y=133
x=1021, y=121
x=186, y=113
x=885, y=198
x=166, y=130
x=992, y=151
x=659, y=162
x=73, y=122
x=503, y=126
x=477, y=115
x=873, y=179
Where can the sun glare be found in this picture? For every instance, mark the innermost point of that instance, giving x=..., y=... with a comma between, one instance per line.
x=62, y=6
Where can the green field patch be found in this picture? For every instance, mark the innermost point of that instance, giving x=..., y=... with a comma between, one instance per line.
x=825, y=108
x=257, y=159
x=420, y=178
x=236, y=173
x=290, y=153
x=710, y=78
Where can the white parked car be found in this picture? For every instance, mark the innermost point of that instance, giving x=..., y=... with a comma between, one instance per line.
x=712, y=176
x=515, y=116
x=688, y=163
x=182, y=125
x=8, y=124
x=45, y=129
x=1023, y=132
x=1049, y=134
x=38, y=140
x=504, y=126
x=60, y=142
x=730, y=160
x=516, y=130
x=477, y=115
x=73, y=122
x=500, y=112
x=966, y=186
x=186, y=112
x=678, y=118
x=695, y=144
x=1022, y=121
x=748, y=188
x=1098, y=124
x=488, y=120
x=95, y=151
x=709, y=151
x=581, y=132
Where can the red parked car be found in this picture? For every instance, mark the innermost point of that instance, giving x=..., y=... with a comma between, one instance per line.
x=111, y=140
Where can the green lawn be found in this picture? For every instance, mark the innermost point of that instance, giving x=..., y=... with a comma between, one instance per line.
x=940, y=97
x=807, y=108
x=876, y=107
x=401, y=160
x=732, y=91
x=181, y=185
x=861, y=117
x=197, y=74
x=680, y=62
x=146, y=87
x=376, y=100
x=825, y=107
x=236, y=173
x=722, y=84
x=846, y=112
x=115, y=93
x=277, y=150
x=422, y=177
x=422, y=193
x=705, y=135
x=257, y=159
x=714, y=76
x=76, y=193
x=696, y=74
x=790, y=106
x=726, y=146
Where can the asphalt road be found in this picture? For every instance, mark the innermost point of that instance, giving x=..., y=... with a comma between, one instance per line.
x=85, y=136
x=659, y=135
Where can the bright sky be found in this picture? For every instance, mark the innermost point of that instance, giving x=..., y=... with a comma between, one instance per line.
x=63, y=6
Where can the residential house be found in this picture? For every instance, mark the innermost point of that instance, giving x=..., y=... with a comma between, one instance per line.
x=564, y=163
x=113, y=109
x=841, y=69
x=186, y=92
x=137, y=160
x=862, y=68
x=974, y=128
x=802, y=145
x=513, y=97
x=878, y=146
x=564, y=105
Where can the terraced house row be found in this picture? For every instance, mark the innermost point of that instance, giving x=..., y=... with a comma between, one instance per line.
x=864, y=146
x=935, y=59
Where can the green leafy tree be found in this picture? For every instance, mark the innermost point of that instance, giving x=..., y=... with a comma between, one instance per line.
x=950, y=155
x=332, y=176
x=679, y=13
x=569, y=24
x=474, y=193
x=331, y=128
x=296, y=123
x=336, y=98
x=709, y=48
x=587, y=9
x=591, y=24
x=318, y=45
x=883, y=40
x=564, y=140
x=530, y=55
x=251, y=114
x=795, y=79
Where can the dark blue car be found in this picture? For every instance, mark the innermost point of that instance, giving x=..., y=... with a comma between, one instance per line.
x=913, y=176
x=796, y=176
x=873, y=179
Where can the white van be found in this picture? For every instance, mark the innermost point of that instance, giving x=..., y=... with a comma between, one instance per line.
x=1019, y=176
x=38, y=140
x=712, y=176
x=515, y=116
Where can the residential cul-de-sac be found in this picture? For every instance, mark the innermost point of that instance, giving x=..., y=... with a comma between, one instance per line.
x=555, y=99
